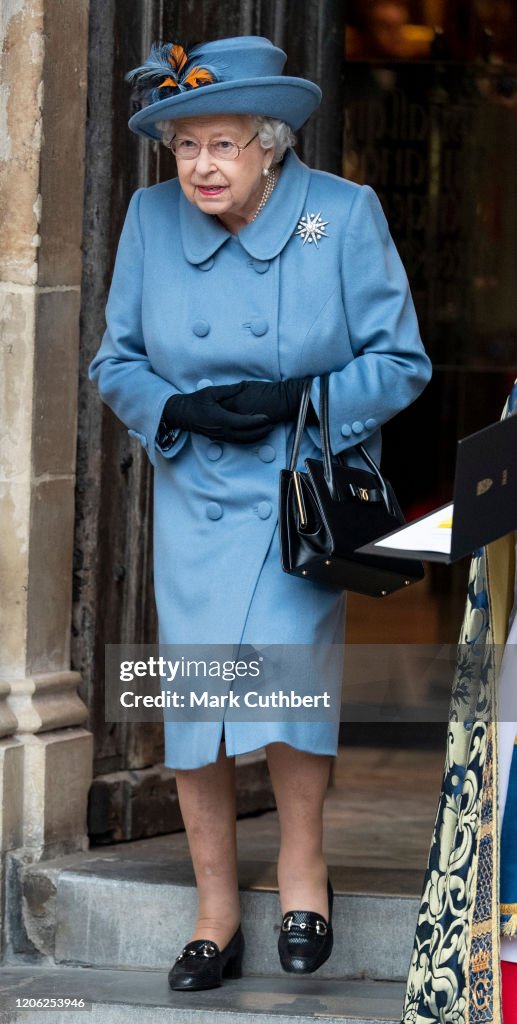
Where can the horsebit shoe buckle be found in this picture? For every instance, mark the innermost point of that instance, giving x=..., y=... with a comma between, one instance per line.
x=320, y=926
x=207, y=949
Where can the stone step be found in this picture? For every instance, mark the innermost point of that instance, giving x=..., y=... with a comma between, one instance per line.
x=143, y=997
x=123, y=910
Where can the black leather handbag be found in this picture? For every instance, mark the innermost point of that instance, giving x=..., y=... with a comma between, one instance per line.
x=332, y=509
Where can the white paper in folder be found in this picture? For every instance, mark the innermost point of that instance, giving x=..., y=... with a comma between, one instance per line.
x=432, y=533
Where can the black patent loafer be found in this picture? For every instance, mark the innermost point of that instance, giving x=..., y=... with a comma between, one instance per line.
x=306, y=939
x=201, y=964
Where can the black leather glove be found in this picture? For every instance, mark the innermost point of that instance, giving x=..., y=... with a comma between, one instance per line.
x=203, y=413
x=279, y=400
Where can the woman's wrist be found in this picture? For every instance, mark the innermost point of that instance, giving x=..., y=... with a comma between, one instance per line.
x=168, y=432
x=166, y=436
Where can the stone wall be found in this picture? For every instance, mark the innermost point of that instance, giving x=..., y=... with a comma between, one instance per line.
x=45, y=751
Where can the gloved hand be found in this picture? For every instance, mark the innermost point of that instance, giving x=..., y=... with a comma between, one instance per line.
x=203, y=413
x=279, y=399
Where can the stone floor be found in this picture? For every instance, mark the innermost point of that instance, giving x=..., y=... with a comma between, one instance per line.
x=124, y=997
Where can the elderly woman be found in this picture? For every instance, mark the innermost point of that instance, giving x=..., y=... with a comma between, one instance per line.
x=233, y=284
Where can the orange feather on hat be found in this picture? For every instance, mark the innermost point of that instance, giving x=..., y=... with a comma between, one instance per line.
x=177, y=57
x=197, y=76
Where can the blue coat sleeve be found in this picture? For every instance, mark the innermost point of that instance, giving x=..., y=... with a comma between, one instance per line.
x=121, y=368
x=390, y=367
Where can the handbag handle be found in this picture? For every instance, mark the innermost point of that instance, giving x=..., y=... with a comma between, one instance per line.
x=328, y=458
x=300, y=424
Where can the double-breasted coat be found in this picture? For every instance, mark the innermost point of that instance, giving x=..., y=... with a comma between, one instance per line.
x=190, y=305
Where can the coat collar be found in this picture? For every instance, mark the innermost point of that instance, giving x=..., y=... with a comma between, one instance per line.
x=202, y=235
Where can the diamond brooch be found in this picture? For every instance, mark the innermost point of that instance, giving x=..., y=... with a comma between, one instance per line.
x=311, y=228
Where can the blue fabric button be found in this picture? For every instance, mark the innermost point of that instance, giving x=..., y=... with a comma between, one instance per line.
x=346, y=430
x=357, y=427
x=264, y=509
x=214, y=510
x=214, y=452
x=259, y=327
x=370, y=423
x=261, y=266
x=201, y=328
x=267, y=453
x=205, y=382
x=206, y=264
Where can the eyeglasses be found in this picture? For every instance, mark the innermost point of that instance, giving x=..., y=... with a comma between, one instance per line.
x=223, y=149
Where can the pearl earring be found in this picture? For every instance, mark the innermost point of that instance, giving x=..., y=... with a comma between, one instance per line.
x=265, y=171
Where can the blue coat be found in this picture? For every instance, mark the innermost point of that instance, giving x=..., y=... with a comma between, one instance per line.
x=191, y=304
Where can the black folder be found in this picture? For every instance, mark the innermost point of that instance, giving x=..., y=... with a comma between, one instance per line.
x=485, y=496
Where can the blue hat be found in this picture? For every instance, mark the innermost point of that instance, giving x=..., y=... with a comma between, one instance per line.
x=242, y=75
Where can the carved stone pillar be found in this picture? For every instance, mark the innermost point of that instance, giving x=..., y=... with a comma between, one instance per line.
x=45, y=753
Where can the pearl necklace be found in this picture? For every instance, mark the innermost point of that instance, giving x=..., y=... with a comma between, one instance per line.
x=271, y=180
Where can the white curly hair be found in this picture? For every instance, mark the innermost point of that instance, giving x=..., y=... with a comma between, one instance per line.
x=273, y=134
